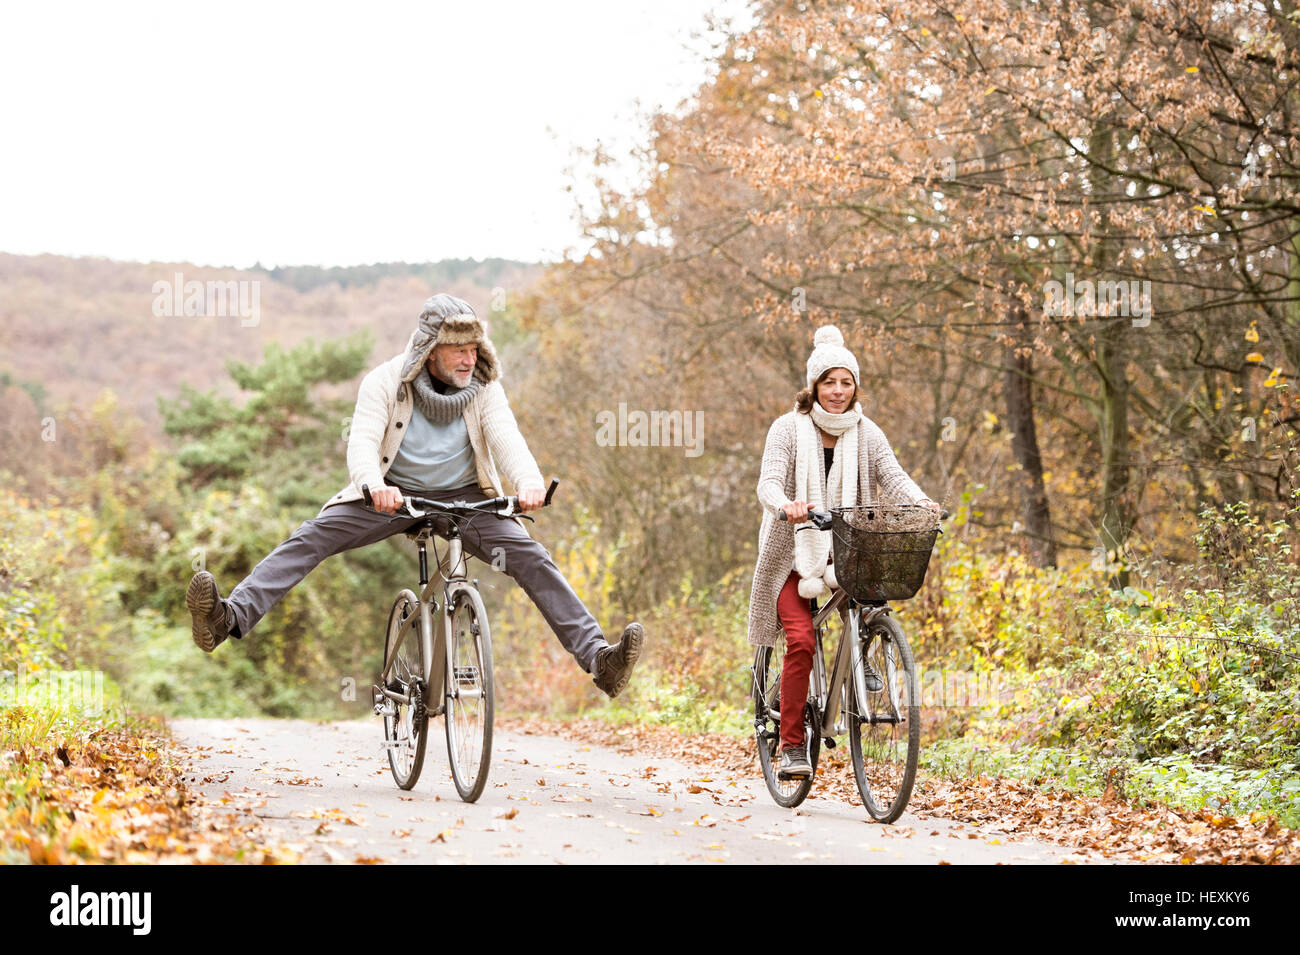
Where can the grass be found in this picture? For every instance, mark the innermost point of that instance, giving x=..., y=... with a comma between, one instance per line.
x=1175, y=780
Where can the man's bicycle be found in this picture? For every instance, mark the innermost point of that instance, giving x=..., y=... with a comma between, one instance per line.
x=438, y=651
x=881, y=553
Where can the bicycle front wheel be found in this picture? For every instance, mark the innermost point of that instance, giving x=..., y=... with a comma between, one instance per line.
x=406, y=726
x=765, y=690
x=885, y=727
x=468, y=688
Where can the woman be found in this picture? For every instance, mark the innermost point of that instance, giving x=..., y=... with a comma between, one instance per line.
x=855, y=466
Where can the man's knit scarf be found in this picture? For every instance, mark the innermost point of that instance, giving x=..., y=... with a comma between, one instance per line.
x=812, y=547
x=443, y=408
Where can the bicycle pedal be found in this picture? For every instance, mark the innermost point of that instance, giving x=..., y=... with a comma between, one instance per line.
x=828, y=742
x=380, y=704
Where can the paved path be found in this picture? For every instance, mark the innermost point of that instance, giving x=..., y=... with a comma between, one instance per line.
x=325, y=789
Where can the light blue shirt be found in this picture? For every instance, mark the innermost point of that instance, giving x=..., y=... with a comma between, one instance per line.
x=433, y=457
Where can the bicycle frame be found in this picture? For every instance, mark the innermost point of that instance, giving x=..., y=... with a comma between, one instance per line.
x=433, y=639
x=455, y=678
x=851, y=697
x=829, y=704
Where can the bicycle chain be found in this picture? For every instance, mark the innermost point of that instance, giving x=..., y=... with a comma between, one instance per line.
x=418, y=711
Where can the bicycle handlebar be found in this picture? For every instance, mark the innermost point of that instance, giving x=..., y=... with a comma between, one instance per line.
x=499, y=507
x=822, y=519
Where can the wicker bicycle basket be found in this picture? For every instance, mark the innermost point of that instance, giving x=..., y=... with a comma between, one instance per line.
x=883, y=551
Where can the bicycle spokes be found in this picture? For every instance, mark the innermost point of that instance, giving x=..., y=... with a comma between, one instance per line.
x=885, y=730
x=404, y=729
x=466, y=691
x=469, y=696
x=405, y=718
x=765, y=690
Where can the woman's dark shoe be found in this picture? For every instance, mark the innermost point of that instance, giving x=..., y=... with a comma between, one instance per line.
x=871, y=678
x=614, y=664
x=794, y=763
x=209, y=622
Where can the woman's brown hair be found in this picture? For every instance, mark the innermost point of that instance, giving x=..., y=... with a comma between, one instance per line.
x=803, y=401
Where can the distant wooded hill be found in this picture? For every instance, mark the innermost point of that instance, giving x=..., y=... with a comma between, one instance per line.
x=72, y=327
x=488, y=274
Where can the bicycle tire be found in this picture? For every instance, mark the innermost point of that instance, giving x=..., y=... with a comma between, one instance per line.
x=885, y=729
x=765, y=685
x=406, y=731
x=468, y=691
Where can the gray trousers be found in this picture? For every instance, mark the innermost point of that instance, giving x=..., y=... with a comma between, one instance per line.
x=346, y=526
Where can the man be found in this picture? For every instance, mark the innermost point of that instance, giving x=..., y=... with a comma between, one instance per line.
x=432, y=422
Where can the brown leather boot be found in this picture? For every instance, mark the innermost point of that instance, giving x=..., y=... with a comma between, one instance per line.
x=614, y=663
x=209, y=620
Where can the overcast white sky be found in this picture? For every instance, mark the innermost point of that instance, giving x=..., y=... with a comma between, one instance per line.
x=315, y=133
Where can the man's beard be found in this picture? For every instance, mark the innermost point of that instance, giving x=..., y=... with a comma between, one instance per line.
x=451, y=377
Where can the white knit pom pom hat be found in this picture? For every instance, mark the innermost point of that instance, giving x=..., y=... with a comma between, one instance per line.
x=829, y=352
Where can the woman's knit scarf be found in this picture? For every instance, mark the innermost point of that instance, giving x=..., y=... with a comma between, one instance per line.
x=812, y=547
x=443, y=408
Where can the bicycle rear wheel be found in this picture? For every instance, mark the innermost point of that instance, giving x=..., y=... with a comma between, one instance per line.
x=468, y=689
x=885, y=728
x=765, y=688
x=406, y=727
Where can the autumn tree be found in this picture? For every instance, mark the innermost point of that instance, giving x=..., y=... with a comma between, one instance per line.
x=1087, y=208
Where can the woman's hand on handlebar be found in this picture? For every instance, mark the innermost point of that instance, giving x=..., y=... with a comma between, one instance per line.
x=387, y=499
x=796, y=512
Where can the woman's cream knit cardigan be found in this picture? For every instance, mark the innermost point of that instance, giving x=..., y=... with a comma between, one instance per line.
x=383, y=412
x=880, y=479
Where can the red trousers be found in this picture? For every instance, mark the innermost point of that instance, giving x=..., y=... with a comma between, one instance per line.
x=795, y=613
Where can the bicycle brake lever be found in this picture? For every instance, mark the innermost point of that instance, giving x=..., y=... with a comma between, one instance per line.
x=512, y=506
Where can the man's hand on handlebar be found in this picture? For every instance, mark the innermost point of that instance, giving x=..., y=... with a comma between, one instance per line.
x=531, y=499
x=387, y=499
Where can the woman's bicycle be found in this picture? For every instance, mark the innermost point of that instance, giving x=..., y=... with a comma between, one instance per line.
x=881, y=553
x=438, y=652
